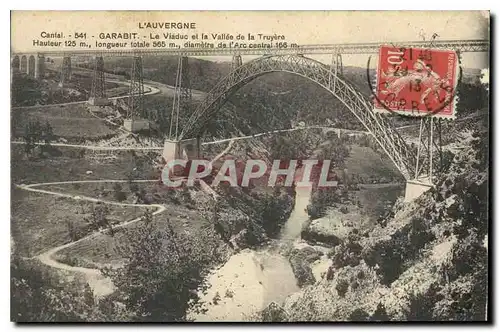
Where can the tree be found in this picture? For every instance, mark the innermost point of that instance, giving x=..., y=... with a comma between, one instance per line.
x=39, y=295
x=99, y=218
x=163, y=269
x=134, y=187
x=380, y=314
x=269, y=210
x=29, y=145
x=47, y=134
x=35, y=132
x=32, y=135
x=120, y=196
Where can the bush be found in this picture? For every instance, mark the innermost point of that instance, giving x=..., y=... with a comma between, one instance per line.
x=39, y=295
x=73, y=232
x=342, y=287
x=380, y=314
x=403, y=246
x=347, y=253
x=120, y=196
x=359, y=315
x=163, y=270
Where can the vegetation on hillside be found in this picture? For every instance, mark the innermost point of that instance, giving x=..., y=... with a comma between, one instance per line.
x=163, y=270
x=428, y=261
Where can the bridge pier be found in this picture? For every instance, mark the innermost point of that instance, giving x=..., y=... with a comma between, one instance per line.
x=135, y=125
x=23, y=63
x=236, y=62
x=32, y=65
x=415, y=188
x=98, y=90
x=135, y=119
x=65, y=71
x=39, y=66
x=187, y=149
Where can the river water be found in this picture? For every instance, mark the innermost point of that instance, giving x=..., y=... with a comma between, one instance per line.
x=251, y=279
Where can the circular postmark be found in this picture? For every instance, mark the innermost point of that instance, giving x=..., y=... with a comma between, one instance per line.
x=415, y=81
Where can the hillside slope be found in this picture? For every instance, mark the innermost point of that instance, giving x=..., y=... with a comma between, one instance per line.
x=427, y=262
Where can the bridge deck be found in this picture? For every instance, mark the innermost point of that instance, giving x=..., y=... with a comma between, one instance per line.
x=345, y=48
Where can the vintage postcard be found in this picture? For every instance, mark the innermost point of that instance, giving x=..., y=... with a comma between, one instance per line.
x=235, y=166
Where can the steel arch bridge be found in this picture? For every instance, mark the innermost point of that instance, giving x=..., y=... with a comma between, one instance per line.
x=388, y=138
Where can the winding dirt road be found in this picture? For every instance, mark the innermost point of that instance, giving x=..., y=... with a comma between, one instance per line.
x=100, y=285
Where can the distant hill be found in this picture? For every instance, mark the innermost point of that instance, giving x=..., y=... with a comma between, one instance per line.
x=203, y=74
x=275, y=100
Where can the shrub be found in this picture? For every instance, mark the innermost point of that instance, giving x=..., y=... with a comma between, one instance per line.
x=274, y=313
x=342, y=287
x=171, y=265
x=73, y=232
x=380, y=314
x=359, y=315
x=120, y=196
x=39, y=295
x=347, y=253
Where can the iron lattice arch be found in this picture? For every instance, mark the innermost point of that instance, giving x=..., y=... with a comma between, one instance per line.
x=388, y=138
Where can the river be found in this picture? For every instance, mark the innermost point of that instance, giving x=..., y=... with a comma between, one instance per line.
x=251, y=279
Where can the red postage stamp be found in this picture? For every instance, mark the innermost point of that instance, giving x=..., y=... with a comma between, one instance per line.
x=416, y=81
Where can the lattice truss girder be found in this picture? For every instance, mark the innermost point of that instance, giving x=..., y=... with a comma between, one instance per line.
x=183, y=97
x=136, y=90
x=389, y=139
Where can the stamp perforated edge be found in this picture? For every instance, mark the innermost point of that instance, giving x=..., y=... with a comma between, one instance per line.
x=418, y=114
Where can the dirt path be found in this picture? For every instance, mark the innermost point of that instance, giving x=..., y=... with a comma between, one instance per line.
x=152, y=90
x=100, y=285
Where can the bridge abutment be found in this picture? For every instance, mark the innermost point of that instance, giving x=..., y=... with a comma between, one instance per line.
x=187, y=149
x=135, y=125
x=98, y=101
x=415, y=188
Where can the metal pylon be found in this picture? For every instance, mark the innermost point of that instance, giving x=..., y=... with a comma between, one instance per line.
x=98, y=89
x=336, y=68
x=429, y=151
x=236, y=61
x=136, y=90
x=182, y=97
x=429, y=147
x=65, y=71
